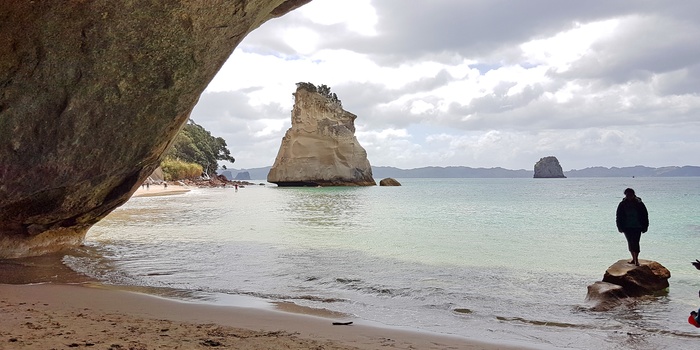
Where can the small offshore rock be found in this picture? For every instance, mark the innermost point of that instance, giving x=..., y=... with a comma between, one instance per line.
x=389, y=182
x=548, y=168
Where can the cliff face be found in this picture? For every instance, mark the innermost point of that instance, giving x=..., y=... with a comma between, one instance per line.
x=91, y=94
x=320, y=149
x=548, y=167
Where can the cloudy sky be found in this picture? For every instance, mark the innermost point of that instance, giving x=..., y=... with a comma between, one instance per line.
x=478, y=83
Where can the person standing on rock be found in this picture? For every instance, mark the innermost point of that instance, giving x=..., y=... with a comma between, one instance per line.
x=632, y=219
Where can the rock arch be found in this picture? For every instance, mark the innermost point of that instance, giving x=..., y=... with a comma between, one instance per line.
x=91, y=94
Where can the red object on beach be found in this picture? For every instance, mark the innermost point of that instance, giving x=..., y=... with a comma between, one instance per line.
x=692, y=321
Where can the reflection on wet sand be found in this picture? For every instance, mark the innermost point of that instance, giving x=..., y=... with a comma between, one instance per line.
x=52, y=269
x=41, y=269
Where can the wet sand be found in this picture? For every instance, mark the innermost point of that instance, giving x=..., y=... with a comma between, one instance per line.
x=58, y=316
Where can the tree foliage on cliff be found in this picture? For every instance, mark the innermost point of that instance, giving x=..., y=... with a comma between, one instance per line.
x=174, y=169
x=322, y=89
x=194, y=144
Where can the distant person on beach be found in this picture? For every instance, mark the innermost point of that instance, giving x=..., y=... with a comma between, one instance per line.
x=165, y=185
x=632, y=219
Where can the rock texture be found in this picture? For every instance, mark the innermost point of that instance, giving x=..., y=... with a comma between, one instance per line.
x=389, y=182
x=320, y=149
x=605, y=296
x=91, y=94
x=548, y=167
x=622, y=280
x=648, y=278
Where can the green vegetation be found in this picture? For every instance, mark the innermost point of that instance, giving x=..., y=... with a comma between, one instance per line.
x=194, y=144
x=174, y=169
x=322, y=89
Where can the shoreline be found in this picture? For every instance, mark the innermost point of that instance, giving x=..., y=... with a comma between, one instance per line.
x=45, y=315
x=159, y=190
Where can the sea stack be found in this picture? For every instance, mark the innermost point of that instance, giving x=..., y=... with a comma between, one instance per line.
x=548, y=168
x=320, y=149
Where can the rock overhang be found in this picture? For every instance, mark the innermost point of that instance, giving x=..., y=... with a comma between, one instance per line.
x=92, y=93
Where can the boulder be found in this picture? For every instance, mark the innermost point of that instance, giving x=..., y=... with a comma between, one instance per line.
x=548, y=167
x=389, y=182
x=605, y=296
x=91, y=95
x=622, y=281
x=648, y=278
x=320, y=149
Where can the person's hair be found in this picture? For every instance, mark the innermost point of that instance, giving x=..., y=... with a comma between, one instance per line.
x=629, y=191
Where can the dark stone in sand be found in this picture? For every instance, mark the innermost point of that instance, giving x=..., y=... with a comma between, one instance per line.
x=463, y=311
x=91, y=95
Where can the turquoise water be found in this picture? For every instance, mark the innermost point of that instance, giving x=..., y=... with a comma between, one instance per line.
x=495, y=259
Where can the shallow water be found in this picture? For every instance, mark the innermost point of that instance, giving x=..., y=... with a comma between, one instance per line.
x=498, y=259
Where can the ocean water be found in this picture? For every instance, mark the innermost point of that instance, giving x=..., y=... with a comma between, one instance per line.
x=504, y=260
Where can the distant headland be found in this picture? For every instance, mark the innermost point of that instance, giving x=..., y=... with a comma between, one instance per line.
x=498, y=172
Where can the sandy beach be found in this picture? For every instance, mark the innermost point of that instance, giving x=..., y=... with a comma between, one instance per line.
x=59, y=316
x=160, y=190
x=46, y=305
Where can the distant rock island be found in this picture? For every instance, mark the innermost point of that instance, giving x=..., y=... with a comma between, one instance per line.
x=456, y=172
x=320, y=149
x=242, y=175
x=548, y=168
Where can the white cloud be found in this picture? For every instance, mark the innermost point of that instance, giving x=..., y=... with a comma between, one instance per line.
x=356, y=15
x=564, y=48
x=467, y=83
x=301, y=40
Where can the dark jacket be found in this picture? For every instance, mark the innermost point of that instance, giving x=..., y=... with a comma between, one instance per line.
x=632, y=214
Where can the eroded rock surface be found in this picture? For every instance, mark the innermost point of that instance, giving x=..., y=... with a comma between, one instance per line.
x=605, y=296
x=91, y=94
x=648, y=278
x=320, y=149
x=548, y=167
x=622, y=280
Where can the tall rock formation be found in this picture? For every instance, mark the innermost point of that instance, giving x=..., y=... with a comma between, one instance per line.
x=320, y=149
x=548, y=167
x=91, y=95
